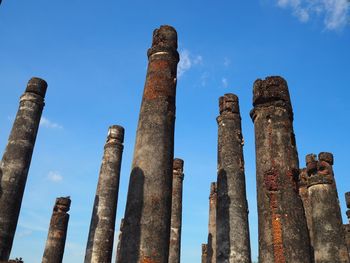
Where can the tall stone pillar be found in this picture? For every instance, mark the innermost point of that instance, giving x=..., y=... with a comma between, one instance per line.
x=176, y=212
x=283, y=234
x=146, y=232
x=233, y=242
x=117, y=260
x=211, y=245
x=56, y=239
x=16, y=160
x=204, y=253
x=101, y=236
x=347, y=226
x=327, y=228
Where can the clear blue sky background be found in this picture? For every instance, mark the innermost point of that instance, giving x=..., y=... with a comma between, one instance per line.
x=93, y=56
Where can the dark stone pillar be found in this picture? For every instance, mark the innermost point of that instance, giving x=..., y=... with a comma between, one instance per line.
x=146, y=233
x=204, y=253
x=347, y=226
x=233, y=243
x=327, y=228
x=176, y=212
x=304, y=195
x=56, y=238
x=15, y=162
x=117, y=260
x=100, y=241
x=283, y=234
x=211, y=245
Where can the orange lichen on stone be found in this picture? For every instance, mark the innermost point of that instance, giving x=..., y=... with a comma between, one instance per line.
x=276, y=231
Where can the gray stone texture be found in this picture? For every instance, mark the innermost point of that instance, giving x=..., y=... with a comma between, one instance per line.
x=232, y=228
x=56, y=238
x=211, y=244
x=176, y=212
x=16, y=160
x=101, y=235
x=146, y=232
x=283, y=233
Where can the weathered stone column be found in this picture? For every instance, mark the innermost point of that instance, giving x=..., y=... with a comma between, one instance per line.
x=16, y=160
x=56, y=239
x=232, y=228
x=327, y=228
x=146, y=233
x=100, y=241
x=283, y=234
x=176, y=212
x=117, y=260
x=211, y=245
x=347, y=226
x=204, y=253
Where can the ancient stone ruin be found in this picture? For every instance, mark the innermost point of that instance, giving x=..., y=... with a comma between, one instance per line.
x=299, y=216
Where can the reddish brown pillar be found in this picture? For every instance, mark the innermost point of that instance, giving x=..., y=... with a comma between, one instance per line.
x=304, y=195
x=16, y=160
x=211, y=245
x=146, y=231
x=283, y=234
x=56, y=239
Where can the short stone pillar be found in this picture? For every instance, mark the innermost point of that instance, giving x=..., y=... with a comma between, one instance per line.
x=211, y=245
x=176, y=212
x=283, y=233
x=204, y=253
x=304, y=195
x=16, y=160
x=56, y=238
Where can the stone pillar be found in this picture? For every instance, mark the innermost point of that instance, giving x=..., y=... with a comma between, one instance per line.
x=16, y=160
x=233, y=243
x=56, y=238
x=117, y=260
x=327, y=227
x=204, y=253
x=283, y=234
x=211, y=245
x=347, y=226
x=101, y=236
x=146, y=233
x=176, y=212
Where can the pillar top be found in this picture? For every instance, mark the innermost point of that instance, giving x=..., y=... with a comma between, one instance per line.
x=229, y=103
x=213, y=188
x=327, y=157
x=178, y=164
x=347, y=199
x=62, y=204
x=270, y=89
x=311, y=163
x=115, y=132
x=164, y=40
x=37, y=86
x=204, y=249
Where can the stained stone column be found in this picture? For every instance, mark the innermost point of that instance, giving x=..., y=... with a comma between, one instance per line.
x=347, y=226
x=233, y=243
x=16, y=160
x=176, y=212
x=117, y=260
x=211, y=245
x=327, y=228
x=100, y=241
x=283, y=234
x=146, y=233
x=204, y=253
x=56, y=238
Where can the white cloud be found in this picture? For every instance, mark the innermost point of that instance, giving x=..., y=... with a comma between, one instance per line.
x=49, y=124
x=334, y=13
x=224, y=82
x=54, y=176
x=187, y=61
x=227, y=62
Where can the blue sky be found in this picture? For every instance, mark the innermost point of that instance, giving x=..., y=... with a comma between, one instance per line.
x=93, y=56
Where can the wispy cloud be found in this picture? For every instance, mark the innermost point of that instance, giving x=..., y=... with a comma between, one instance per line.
x=227, y=62
x=187, y=61
x=44, y=122
x=55, y=176
x=334, y=13
x=224, y=82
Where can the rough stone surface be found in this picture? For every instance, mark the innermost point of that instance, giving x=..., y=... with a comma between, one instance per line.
x=176, y=212
x=204, y=253
x=117, y=260
x=146, y=232
x=211, y=245
x=100, y=241
x=56, y=237
x=232, y=228
x=283, y=233
x=16, y=160
x=328, y=237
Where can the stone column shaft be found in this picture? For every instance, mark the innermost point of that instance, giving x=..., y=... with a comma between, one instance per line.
x=347, y=226
x=211, y=245
x=146, y=231
x=283, y=234
x=117, y=260
x=204, y=253
x=328, y=237
x=56, y=238
x=100, y=241
x=16, y=160
x=233, y=242
x=176, y=212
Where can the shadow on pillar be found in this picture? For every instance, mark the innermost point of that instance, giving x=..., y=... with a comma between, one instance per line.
x=223, y=202
x=132, y=219
x=94, y=222
x=0, y=182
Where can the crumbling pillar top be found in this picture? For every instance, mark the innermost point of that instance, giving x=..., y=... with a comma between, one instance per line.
x=327, y=157
x=164, y=40
x=62, y=204
x=347, y=199
x=229, y=103
x=37, y=86
x=115, y=132
x=213, y=189
x=311, y=163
